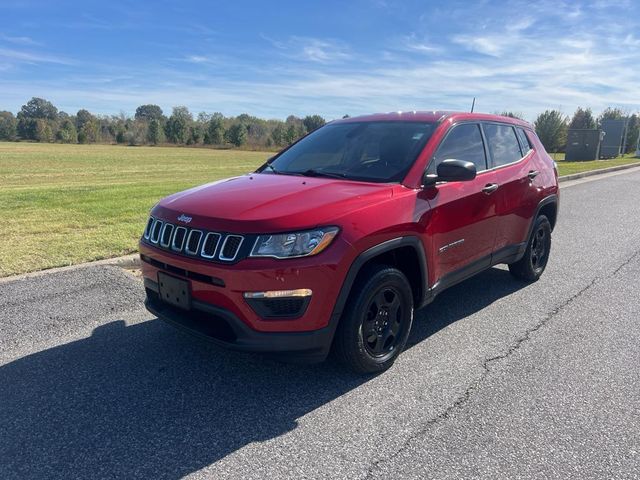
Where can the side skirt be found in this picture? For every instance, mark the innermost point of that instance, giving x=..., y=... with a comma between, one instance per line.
x=509, y=254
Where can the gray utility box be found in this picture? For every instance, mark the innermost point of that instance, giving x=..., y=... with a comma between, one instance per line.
x=582, y=144
x=615, y=132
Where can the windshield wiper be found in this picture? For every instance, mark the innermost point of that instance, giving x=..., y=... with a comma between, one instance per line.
x=320, y=173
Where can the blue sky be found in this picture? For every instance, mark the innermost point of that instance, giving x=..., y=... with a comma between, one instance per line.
x=273, y=59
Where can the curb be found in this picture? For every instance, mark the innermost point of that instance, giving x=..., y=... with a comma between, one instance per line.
x=590, y=173
x=127, y=262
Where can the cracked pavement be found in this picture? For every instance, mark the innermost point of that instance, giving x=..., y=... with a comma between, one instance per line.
x=500, y=380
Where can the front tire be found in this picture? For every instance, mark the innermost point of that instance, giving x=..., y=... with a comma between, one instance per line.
x=532, y=264
x=376, y=323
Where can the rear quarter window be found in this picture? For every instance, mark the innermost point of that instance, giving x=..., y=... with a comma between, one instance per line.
x=525, y=144
x=503, y=143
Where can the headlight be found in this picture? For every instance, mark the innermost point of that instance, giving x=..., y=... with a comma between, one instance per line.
x=296, y=244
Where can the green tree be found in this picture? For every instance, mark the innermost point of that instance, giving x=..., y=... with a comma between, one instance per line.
x=177, y=127
x=312, y=122
x=214, y=134
x=237, y=134
x=610, y=113
x=8, y=126
x=551, y=127
x=290, y=134
x=88, y=127
x=44, y=133
x=583, y=119
x=67, y=132
x=149, y=112
x=196, y=134
x=28, y=116
x=39, y=108
x=154, y=132
x=278, y=135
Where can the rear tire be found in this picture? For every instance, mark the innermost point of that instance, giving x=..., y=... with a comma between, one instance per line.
x=532, y=264
x=376, y=323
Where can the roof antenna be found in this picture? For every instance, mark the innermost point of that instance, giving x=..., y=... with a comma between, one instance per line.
x=473, y=104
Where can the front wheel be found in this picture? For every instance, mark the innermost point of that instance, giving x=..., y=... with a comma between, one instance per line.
x=376, y=323
x=535, y=258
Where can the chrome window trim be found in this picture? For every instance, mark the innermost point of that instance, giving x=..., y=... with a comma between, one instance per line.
x=153, y=229
x=230, y=259
x=173, y=241
x=186, y=245
x=166, y=245
x=146, y=235
x=215, y=250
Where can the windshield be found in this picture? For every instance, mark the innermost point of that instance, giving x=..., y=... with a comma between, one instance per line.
x=366, y=151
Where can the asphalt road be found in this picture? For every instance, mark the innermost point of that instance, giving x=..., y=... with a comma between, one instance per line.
x=501, y=379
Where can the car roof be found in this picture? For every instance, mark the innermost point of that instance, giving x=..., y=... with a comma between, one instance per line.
x=433, y=116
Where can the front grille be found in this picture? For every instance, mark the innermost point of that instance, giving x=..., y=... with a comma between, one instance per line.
x=194, y=242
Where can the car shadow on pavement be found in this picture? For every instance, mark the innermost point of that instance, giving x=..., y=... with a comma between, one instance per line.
x=146, y=400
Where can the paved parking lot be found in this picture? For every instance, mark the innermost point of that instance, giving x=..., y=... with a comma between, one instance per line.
x=501, y=379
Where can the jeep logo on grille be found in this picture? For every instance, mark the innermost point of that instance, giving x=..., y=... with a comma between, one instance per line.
x=184, y=218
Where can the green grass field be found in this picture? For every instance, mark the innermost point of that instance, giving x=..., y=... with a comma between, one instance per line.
x=66, y=204
x=567, y=168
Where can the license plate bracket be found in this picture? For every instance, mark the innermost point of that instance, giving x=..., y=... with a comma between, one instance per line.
x=174, y=291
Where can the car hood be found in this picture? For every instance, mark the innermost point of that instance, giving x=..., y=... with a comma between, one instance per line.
x=267, y=202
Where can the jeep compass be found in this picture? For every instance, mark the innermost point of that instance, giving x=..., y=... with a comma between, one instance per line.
x=334, y=242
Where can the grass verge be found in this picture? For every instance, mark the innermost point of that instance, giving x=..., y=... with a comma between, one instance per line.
x=66, y=204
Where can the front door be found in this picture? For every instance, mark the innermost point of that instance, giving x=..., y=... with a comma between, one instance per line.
x=462, y=224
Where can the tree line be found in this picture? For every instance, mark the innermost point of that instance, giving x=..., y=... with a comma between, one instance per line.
x=552, y=126
x=39, y=120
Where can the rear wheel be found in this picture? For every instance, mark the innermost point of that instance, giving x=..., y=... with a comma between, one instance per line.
x=375, y=325
x=535, y=258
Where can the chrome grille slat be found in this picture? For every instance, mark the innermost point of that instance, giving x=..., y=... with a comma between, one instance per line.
x=166, y=235
x=155, y=231
x=213, y=247
x=229, y=251
x=190, y=237
x=147, y=230
x=180, y=232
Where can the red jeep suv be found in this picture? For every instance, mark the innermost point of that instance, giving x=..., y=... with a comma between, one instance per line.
x=333, y=242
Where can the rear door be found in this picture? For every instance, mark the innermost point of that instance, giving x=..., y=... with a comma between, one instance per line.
x=511, y=156
x=463, y=214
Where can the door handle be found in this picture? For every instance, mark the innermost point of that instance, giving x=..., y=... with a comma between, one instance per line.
x=489, y=188
x=533, y=174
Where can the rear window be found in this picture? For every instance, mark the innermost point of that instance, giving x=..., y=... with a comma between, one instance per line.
x=503, y=143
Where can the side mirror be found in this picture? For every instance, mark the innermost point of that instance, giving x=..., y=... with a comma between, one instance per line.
x=452, y=171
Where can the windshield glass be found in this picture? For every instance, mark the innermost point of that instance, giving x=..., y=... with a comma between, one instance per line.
x=366, y=151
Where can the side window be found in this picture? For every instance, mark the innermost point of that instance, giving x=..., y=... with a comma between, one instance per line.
x=503, y=143
x=525, y=144
x=464, y=142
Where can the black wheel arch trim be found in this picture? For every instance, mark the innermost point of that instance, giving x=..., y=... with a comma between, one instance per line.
x=369, y=254
x=543, y=203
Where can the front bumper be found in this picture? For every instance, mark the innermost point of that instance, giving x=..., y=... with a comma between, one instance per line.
x=223, y=328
